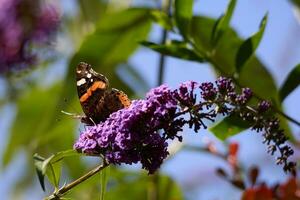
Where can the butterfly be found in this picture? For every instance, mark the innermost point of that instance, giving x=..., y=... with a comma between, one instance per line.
x=97, y=100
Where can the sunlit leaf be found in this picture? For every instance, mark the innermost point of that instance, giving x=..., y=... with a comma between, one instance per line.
x=26, y=130
x=127, y=185
x=174, y=49
x=53, y=173
x=168, y=189
x=60, y=155
x=183, y=15
x=291, y=83
x=248, y=47
x=116, y=37
x=91, y=10
x=222, y=24
x=51, y=167
x=140, y=186
x=223, y=58
x=228, y=127
x=162, y=19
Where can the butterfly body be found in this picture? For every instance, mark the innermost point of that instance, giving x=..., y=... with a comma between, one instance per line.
x=97, y=100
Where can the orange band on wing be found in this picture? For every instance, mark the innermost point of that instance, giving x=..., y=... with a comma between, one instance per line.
x=94, y=87
x=98, y=84
x=124, y=100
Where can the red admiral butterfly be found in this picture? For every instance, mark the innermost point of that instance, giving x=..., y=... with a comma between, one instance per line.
x=97, y=100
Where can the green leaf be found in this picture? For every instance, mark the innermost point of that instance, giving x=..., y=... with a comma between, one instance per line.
x=53, y=173
x=291, y=83
x=183, y=15
x=115, y=39
x=128, y=185
x=38, y=162
x=26, y=130
x=58, y=157
x=39, y=127
x=174, y=49
x=123, y=21
x=141, y=186
x=168, y=189
x=91, y=10
x=51, y=166
x=247, y=49
x=162, y=19
x=222, y=24
x=228, y=127
x=296, y=3
x=223, y=58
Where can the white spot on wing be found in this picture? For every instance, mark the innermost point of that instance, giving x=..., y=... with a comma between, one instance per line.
x=89, y=75
x=81, y=82
x=79, y=71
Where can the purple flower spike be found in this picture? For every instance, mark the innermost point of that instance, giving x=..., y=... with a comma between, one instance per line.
x=130, y=135
x=140, y=132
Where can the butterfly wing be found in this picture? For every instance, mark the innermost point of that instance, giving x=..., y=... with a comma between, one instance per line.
x=96, y=99
x=91, y=87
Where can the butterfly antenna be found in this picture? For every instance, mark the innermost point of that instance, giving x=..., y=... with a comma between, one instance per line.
x=71, y=107
x=67, y=113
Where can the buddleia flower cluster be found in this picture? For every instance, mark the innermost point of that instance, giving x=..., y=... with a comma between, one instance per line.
x=141, y=132
x=23, y=24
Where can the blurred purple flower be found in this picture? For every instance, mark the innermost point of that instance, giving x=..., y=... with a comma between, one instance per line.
x=140, y=132
x=22, y=24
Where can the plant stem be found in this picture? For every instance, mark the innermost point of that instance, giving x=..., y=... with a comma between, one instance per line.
x=63, y=190
x=162, y=58
x=287, y=117
x=153, y=190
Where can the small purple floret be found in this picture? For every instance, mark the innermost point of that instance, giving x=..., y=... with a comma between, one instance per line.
x=263, y=106
x=208, y=92
x=224, y=85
